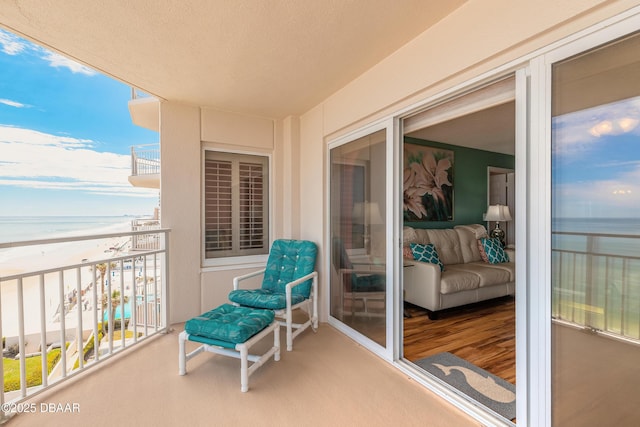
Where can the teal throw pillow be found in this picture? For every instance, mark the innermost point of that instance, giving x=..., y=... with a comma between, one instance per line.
x=426, y=253
x=495, y=252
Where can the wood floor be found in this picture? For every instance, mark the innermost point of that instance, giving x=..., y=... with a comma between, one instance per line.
x=483, y=334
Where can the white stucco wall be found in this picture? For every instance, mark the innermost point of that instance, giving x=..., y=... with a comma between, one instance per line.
x=208, y=286
x=180, y=204
x=236, y=130
x=312, y=195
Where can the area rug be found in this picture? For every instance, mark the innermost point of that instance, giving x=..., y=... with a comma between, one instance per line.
x=483, y=387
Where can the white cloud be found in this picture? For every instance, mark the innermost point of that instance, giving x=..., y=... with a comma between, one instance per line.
x=32, y=159
x=12, y=44
x=13, y=134
x=11, y=103
x=58, y=61
x=619, y=196
x=577, y=132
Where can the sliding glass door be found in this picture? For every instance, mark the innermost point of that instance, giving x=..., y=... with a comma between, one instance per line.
x=358, y=235
x=595, y=236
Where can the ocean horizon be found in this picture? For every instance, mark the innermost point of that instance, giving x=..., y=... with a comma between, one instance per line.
x=623, y=226
x=23, y=228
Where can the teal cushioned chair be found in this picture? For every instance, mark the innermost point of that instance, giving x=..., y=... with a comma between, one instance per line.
x=289, y=282
x=360, y=282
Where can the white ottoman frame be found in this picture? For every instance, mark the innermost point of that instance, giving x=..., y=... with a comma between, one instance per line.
x=241, y=352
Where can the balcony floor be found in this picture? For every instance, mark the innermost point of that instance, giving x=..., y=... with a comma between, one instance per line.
x=326, y=380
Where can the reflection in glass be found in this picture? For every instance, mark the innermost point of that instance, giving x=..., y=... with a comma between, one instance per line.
x=358, y=241
x=596, y=237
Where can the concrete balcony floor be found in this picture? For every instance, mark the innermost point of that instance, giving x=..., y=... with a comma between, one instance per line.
x=327, y=380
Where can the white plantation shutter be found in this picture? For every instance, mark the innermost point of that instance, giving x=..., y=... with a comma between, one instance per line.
x=251, y=205
x=218, y=206
x=236, y=204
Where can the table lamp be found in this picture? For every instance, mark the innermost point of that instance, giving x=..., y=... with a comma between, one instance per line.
x=498, y=213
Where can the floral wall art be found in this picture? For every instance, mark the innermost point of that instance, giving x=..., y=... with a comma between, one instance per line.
x=428, y=183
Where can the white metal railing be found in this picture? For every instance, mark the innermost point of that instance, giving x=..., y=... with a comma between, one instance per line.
x=145, y=242
x=137, y=93
x=75, y=315
x=145, y=159
x=596, y=282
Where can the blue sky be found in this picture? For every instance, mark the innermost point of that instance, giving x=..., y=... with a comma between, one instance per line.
x=65, y=137
x=596, y=161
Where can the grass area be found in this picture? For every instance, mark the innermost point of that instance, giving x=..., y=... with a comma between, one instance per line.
x=34, y=364
x=117, y=335
x=33, y=368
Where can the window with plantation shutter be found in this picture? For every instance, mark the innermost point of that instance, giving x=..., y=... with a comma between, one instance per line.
x=235, y=204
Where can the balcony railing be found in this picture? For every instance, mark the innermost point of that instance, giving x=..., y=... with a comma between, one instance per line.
x=74, y=315
x=145, y=242
x=145, y=159
x=596, y=282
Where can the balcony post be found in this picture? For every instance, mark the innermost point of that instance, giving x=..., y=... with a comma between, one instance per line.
x=134, y=170
x=165, y=282
x=588, y=292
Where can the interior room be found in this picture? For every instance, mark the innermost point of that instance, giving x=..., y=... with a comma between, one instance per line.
x=467, y=144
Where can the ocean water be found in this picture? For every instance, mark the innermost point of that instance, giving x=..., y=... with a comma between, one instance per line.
x=20, y=228
x=627, y=244
x=626, y=226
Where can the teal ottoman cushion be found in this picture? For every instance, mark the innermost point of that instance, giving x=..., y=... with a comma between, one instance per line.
x=229, y=323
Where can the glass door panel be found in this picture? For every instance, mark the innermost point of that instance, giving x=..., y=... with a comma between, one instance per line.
x=358, y=235
x=595, y=241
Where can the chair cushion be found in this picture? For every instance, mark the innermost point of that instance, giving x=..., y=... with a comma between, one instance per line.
x=263, y=298
x=289, y=260
x=229, y=323
x=368, y=282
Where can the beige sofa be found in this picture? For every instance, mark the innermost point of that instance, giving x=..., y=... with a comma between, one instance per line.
x=466, y=277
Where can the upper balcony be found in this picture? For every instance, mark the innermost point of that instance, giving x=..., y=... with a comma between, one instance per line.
x=145, y=166
x=144, y=110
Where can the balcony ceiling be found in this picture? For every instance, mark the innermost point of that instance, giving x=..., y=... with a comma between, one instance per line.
x=265, y=58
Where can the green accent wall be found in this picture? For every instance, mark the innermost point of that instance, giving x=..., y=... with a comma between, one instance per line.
x=469, y=182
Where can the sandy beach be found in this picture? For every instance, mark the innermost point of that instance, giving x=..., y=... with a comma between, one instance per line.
x=37, y=258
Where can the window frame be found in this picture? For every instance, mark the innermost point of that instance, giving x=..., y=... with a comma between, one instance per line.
x=236, y=258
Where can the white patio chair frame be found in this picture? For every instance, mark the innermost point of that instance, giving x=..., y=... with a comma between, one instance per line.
x=311, y=304
x=241, y=352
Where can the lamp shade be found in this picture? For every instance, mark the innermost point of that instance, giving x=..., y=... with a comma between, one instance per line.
x=498, y=213
x=374, y=214
x=369, y=212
